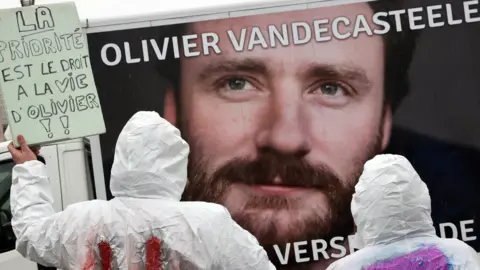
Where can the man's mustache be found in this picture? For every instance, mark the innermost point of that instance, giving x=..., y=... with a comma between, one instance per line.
x=291, y=170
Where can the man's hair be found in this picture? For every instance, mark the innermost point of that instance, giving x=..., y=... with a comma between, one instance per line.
x=399, y=48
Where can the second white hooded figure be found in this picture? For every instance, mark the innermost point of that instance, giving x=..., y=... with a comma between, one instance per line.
x=391, y=209
x=145, y=226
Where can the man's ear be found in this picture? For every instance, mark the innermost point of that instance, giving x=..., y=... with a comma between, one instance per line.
x=169, y=106
x=387, y=126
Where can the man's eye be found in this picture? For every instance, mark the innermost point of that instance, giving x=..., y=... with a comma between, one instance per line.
x=236, y=88
x=332, y=89
x=237, y=84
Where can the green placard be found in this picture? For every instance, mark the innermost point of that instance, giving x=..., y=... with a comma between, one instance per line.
x=46, y=78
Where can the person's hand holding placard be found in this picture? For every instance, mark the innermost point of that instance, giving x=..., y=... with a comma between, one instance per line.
x=24, y=153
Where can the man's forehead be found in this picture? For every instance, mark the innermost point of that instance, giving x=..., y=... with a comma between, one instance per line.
x=293, y=57
x=350, y=11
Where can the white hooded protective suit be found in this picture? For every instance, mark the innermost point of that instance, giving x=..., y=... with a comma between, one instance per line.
x=149, y=174
x=391, y=208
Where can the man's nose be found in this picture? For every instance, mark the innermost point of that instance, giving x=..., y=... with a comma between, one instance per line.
x=285, y=127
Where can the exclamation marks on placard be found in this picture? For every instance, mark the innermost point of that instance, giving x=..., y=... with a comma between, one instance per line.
x=64, y=120
x=46, y=125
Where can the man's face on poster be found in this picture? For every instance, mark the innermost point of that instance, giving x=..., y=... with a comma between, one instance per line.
x=280, y=135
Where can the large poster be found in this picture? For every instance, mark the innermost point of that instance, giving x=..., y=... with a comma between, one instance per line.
x=281, y=111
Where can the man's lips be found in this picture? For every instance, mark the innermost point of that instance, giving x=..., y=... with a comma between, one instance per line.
x=276, y=190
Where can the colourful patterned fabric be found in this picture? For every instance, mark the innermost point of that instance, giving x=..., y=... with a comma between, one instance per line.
x=429, y=258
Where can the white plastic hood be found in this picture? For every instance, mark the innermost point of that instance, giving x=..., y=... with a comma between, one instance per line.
x=150, y=159
x=391, y=202
x=391, y=208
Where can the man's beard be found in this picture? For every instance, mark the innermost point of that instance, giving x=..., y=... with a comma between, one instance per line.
x=293, y=171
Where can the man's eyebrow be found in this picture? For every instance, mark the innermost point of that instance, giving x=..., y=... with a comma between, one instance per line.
x=338, y=72
x=229, y=66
